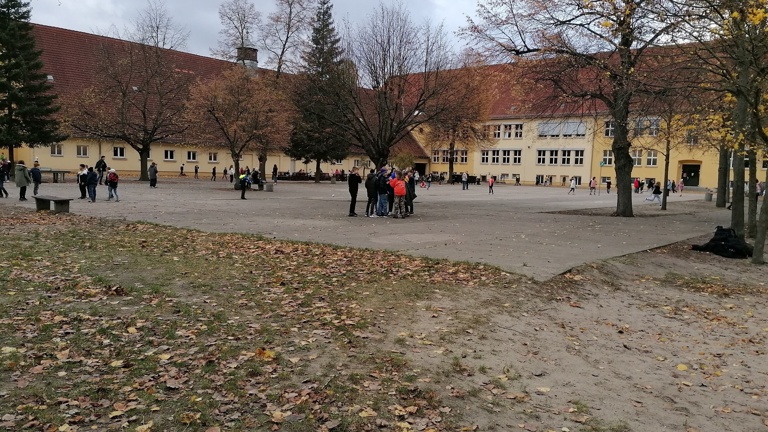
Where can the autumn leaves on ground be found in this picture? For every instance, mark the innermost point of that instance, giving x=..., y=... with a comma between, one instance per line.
x=130, y=326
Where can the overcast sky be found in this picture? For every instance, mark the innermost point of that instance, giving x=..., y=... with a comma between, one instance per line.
x=201, y=18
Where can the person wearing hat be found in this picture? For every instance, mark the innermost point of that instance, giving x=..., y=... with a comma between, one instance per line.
x=112, y=179
x=37, y=177
x=152, y=171
x=23, y=179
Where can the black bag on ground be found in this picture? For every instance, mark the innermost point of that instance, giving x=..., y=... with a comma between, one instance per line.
x=725, y=243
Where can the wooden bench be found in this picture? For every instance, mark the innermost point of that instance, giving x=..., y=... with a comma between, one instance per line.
x=60, y=205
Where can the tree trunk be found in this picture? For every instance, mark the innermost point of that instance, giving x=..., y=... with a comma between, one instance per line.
x=236, y=160
x=762, y=228
x=723, y=176
x=317, y=171
x=11, y=158
x=263, y=165
x=664, y=193
x=751, y=203
x=451, y=151
x=143, y=165
x=624, y=163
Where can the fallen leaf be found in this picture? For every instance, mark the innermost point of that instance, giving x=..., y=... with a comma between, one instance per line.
x=368, y=413
x=145, y=427
x=682, y=367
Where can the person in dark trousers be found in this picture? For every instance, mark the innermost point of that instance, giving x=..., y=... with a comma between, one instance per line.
x=197, y=170
x=152, y=171
x=91, y=181
x=353, y=181
x=37, y=177
x=22, y=179
x=213, y=174
x=3, y=192
x=608, y=186
x=382, y=188
x=82, y=177
x=101, y=167
x=370, y=189
x=274, y=173
x=243, y=183
x=410, y=191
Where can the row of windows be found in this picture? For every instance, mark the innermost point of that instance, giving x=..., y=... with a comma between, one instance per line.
x=551, y=157
x=444, y=156
x=119, y=153
x=651, y=157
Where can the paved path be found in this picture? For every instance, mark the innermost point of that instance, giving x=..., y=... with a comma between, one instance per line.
x=516, y=228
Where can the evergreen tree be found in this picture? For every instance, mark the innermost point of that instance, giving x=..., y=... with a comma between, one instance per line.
x=314, y=136
x=27, y=105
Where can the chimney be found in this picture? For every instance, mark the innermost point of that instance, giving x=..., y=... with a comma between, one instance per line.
x=248, y=56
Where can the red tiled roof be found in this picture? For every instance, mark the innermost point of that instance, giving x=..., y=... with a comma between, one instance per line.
x=71, y=58
x=409, y=145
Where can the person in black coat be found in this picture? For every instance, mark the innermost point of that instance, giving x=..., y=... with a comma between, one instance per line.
x=91, y=181
x=353, y=181
x=370, y=188
x=82, y=177
x=37, y=177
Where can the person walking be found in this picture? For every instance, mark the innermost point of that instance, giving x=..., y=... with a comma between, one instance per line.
x=112, y=180
x=274, y=173
x=101, y=167
x=429, y=181
x=572, y=190
x=491, y=181
x=231, y=173
x=224, y=174
x=181, y=171
x=197, y=170
x=91, y=181
x=608, y=186
x=410, y=191
x=382, y=188
x=152, y=171
x=243, y=179
x=370, y=190
x=464, y=181
x=3, y=192
x=23, y=179
x=399, y=187
x=213, y=174
x=593, y=186
x=353, y=180
x=82, y=177
x=656, y=194
x=37, y=177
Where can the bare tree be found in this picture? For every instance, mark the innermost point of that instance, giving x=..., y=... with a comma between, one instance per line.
x=240, y=21
x=284, y=32
x=154, y=27
x=598, y=47
x=397, y=80
x=139, y=95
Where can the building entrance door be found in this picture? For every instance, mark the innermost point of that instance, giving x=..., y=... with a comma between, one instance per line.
x=691, y=174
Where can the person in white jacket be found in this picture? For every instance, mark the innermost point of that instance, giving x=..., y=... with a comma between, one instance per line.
x=573, y=186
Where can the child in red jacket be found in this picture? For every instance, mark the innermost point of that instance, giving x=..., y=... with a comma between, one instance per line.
x=398, y=184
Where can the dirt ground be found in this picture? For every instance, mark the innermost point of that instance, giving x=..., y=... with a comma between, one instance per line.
x=664, y=340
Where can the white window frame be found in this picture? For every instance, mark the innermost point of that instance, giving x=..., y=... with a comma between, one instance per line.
x=608, y=157
x=652, y=158
x=578, y=157
x=213, y=157
x=604, y=180
x=191, y=156
x=654, y=126
x=610, y=128
x=495, y=157
x=550, y=129
x=81, y=151
x=484, y=157
x=507, y=131
x=171, y=153
x=572, y=129
x=637, y=157
x=463, y=156
x=565, y=158
x=118, y=152
x=518, y=130
x=541, y=157
x=435, y=156
x=517, y=157
x=505, y=156
x=497, y=131
x=554, y=155
x=57, y=150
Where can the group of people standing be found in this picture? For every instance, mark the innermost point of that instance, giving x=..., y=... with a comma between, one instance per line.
x=390, y=193
x=23, y=177
x=88, y=178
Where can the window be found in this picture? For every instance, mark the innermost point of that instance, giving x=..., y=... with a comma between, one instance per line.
x=765, y=164
x=118, y=152
x=578, y=180
x=57, y=150
x=652, y=158
x=540, y=179
x=574, y=129
x=541, y=157
x=356, y=163
x=497, y=131
x=553, y=157
x=484, y=156
x=610, y=128
x=507, y=131
x=692, y=139
x=82, y=151
x=191, y=156
x=549, y=129
x=578, y=157
x=495, y=156
x=463, y=156
x=654, y=126
x=486, y=131
x=566, y=159
x=435, y=156
x=169, y=155
x=604, y=180
x=333, y=162
x=640, y=127
x=518, y=130
x=213, y=157
x=505, y=156
x=637, y=157
x=607, y=157
x=517, y=157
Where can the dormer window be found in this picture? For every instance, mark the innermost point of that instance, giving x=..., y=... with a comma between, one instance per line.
x=50, y=78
